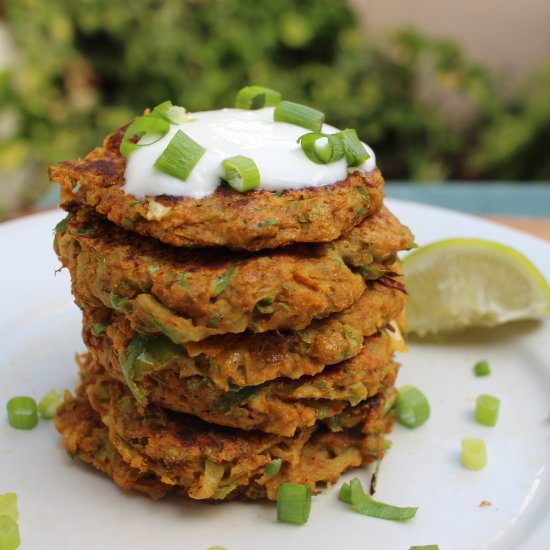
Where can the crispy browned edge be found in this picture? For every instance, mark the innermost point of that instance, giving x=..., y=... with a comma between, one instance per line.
x=225, y=218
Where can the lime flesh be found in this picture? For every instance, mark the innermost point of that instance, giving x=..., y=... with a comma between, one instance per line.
x=459, y=283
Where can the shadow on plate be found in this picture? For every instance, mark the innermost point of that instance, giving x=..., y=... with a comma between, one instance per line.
x=502, y=333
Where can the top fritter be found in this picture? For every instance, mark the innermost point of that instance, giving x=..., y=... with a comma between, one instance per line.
x=264, y=175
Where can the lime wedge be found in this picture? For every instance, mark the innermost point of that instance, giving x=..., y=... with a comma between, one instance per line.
x=459, y=283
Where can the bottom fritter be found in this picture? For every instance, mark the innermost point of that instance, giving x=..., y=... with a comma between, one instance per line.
x=156, y=451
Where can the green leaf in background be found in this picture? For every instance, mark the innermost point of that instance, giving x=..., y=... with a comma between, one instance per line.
x=428, y=112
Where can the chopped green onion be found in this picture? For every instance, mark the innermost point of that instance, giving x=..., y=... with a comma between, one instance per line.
x=474, y=453
x=486, y=412
x=9, y=534
x=84, y=232
x=61, y=226
x=425, y=547
x=387, y=444
x=265, y=305
x=217, y=548
x=321, y=148
x=345, y=493
x=22, y=413
x=257, y=97
x=223, y=281
x=363, y=503
x=389, y=403
x=180, y=156
x=8, y=506
x=293, y=503
x=481, y=368
x=214, y=321
x=134, y=349
x=354, y=150
x=300, y=115
x=99, y=328
x=184, y=279
x=49, y=403
x=118, y=302
x=236, y=397
x=172, y=113
x=364, y=193
x=274, y=467
x=222, y=493
x=241, y=173
x=147, y=128
x=412, y=407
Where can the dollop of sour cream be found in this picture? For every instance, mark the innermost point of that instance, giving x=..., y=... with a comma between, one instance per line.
x=229, y=132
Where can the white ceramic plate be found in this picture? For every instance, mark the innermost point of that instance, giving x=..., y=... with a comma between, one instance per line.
x=66, y=505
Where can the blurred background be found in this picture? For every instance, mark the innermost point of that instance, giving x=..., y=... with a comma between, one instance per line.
x=443, y=91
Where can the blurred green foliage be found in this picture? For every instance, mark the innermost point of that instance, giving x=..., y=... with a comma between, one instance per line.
x=86, y=67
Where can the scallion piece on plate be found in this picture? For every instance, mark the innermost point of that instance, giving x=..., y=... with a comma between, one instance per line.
x=217, y=548
x=9, y=534
x=474, y=453
x=8, y=506
x=241, y=173
x=143, y=131
x=321, y=148
x=49, y=403
x=274, y=467
x=412, y=407
x=293, y=503
x=22, y=413
x=345, y=493
x=363, y=503
x=481, y=368
x=172, y=113
x=425, y=547
x=354, y=150
x=180, y=156
x=300, y=115
x=256, y=97
x=487, y=408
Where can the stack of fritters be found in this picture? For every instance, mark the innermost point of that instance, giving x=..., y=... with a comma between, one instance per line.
x=234, y=342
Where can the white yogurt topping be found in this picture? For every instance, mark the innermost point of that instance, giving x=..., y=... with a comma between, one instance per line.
x=229, y=132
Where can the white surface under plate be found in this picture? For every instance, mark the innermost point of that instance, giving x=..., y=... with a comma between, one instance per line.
x=66, y=505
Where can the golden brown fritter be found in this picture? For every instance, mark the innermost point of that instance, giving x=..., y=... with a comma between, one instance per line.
x=281, y=406
x=191, y=295
x=250, y=221
x=247, y=359
x=375, y=241
x=212, y=292
x=155, y=450
x=86, y=438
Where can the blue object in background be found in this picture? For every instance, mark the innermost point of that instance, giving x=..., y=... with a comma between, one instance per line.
x=504, y=199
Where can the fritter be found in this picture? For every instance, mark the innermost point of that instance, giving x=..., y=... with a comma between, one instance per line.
x=86, y=438
x=249, y=221
x=281, y=406
x=214, y=293
x=248, y=359
x=373, y=245
x=191, y=295
x=158, y=450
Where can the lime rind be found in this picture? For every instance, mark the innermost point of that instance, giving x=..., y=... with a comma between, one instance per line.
x=459, y=283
